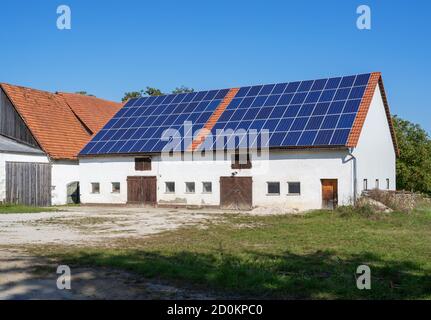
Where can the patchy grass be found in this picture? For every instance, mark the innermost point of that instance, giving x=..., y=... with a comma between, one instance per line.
x=17, y=208
x=313, y=256
x=85, y=224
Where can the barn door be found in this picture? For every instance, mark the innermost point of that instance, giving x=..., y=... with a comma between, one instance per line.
x=142, y=190
x=150, y=190
x=236, y=193
x=329, y=193
x=28, y=183
x=134, y=190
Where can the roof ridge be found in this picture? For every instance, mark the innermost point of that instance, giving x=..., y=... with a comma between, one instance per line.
x=78, y=95
x=259, y=84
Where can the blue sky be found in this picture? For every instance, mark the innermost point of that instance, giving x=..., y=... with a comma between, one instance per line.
x=118, y=46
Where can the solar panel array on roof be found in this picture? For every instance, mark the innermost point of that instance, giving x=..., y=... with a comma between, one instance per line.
x=307, y=113
x=296, y=114
x=139, y=125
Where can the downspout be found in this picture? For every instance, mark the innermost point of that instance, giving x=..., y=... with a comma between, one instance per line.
x=354, y=174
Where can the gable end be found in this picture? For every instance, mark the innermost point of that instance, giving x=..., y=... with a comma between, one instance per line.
x=355, y=133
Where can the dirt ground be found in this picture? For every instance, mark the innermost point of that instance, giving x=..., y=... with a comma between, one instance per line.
x=75, y=225
x=23, y=276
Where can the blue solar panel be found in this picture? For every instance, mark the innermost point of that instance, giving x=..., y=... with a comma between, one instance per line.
x=139, y=125
x=308, y=113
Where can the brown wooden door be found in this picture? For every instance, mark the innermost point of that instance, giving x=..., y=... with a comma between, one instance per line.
x=142, y=190
x=236, y=193
x=329, y=193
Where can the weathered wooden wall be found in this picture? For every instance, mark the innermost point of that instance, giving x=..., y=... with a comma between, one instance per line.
x=28, y=183
x=11, y=124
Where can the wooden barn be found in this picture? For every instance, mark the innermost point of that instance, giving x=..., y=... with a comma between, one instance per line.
x=41, y=134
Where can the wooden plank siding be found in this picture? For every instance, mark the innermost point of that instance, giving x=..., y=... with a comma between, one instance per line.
x=11, y=123
x=28, y=183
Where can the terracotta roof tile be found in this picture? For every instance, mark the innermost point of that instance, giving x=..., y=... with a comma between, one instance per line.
x=94, y=112
x=209, y=125
x=58, y=121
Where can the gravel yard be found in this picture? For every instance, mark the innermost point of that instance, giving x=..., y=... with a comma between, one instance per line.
x=75, y=225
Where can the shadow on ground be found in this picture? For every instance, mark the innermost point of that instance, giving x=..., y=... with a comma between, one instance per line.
x=24, y=277
x=318, y=275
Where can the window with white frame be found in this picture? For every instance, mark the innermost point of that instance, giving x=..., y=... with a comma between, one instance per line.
x=190, y=187
x=95, y=187
x=388, y=184
x=170, y=187
x=294, y=188
x=273, y=188
x=115, y=187
x=207, y=187
x=377, y=184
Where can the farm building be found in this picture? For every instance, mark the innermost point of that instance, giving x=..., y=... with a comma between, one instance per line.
x=320, y=143
x=41, y=134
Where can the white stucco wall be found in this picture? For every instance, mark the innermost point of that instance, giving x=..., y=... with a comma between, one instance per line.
x=375, y=152
x=63, y=172
x=307, y=167
x=10, y=157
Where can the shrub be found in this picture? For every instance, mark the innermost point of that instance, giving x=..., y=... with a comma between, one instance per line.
x=398, y=200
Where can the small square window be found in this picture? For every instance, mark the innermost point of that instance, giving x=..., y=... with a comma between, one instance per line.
x=273, y=188
x=241, y=161
x=190, y=187
x=388, y=184
x=207, y=187
x=170, y=187
x=365, y=184
x=294, y=188
x=95, y=187
x=115, y=187
x=143, y=164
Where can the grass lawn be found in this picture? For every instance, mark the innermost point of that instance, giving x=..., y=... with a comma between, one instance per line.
x=17, y=208
x=314, y=256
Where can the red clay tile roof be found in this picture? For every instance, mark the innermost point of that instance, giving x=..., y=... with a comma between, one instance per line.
x=92, y=111
x=375, y=79
x=49, y=117
x=209, y=125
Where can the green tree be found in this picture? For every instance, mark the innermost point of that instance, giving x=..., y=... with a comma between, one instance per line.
x=414, y=162
x=153, y=92
x=183, y=89
x=138, y=94
x=84, y=93
x=132, y=95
